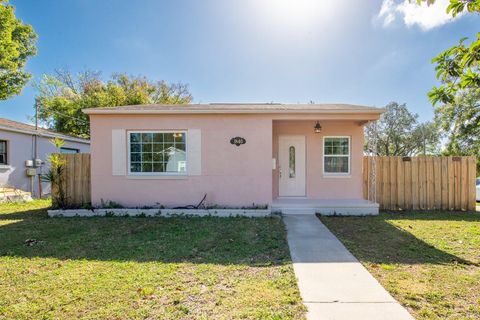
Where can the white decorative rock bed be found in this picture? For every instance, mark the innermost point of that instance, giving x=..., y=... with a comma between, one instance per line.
x=253, y=213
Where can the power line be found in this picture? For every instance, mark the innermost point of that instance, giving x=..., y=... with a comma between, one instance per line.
x=68, y=116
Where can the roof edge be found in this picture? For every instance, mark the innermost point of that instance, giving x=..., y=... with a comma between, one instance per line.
x=370, y=110
x=46, y=134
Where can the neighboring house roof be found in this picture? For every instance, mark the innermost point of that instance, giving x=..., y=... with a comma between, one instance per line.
x=15, y=126
x=235, y=108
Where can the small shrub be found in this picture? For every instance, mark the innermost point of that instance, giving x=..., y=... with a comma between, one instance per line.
x=111, y=205
x=87, y=206
x=109, y=214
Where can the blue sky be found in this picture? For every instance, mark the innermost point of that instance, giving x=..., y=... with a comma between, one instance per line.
x=347, y=51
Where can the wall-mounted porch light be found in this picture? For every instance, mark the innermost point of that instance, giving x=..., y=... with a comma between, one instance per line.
x=318, y=127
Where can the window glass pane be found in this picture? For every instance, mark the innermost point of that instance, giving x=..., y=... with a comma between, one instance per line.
x=136, y=167
x=167, y=146
x=158, y=157
x=135, y=157
x=291, y=162
x=158, y=137
x=336, y=164
x=147, y=157
x=176, y=161
x=336, y=146
x=147, y=147
x=157, y=147
x=69, y=150
x=146, y=167
x=158, y=167
x=180, y=146
x=135, y=147
x=2, y=146
x=147, y=137
x=168, y=137
x=158, y=152
x=179, y=137
x=134, y=137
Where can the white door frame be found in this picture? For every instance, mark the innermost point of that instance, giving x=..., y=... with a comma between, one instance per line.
x=292, y=187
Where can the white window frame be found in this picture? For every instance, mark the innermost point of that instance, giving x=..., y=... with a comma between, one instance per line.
x=130, y=173
x=7, y=153
x=337, y=174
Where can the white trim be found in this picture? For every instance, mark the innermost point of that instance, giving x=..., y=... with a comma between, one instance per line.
x=337, y=174
x=118, y=152
x=194, y=152
x=156, y=174
x=157, y=177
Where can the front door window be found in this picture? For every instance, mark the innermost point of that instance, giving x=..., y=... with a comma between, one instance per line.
x=291, y=162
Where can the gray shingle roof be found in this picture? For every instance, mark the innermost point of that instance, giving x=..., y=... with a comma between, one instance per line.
x=7, y=124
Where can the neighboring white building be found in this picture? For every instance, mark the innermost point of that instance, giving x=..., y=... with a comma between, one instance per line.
x=17, y=145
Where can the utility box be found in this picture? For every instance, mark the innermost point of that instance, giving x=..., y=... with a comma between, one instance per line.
x=38, y=162
x=31, y=172
x=28, y=163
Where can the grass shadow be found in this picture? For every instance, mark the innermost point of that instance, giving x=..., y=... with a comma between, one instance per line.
x=471, y=216
x=376, y=240
x=247, y=241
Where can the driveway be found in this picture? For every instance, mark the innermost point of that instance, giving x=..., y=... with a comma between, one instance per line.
x=333, y=283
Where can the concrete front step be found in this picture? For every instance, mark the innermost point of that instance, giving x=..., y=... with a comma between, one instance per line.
x=352, y=207
x=14, y=195
x=297, y=210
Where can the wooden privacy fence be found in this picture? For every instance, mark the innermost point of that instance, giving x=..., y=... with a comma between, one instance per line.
x=75, y=179
x=402, y=183
x=422, y=183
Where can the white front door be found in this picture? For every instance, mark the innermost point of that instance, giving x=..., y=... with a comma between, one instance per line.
x=291, y=158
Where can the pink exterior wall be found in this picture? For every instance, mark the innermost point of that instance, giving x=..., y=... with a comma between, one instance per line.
x=319, y=186
x=231, y=175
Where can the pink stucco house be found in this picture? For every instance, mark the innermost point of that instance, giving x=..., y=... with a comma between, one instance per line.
x=292, y=157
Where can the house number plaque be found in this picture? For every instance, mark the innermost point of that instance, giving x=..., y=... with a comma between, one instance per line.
x=238, y=141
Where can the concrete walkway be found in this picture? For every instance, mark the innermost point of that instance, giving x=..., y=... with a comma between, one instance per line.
x=333, y=284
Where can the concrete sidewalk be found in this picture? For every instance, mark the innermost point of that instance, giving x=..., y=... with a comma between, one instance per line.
x=333, y=284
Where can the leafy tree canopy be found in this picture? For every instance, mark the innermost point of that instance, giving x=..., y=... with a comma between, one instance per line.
x=458, y=68
x=456, y=100
x=400, y=134
x=17, y=44
x=460, y=121
x=62, y=96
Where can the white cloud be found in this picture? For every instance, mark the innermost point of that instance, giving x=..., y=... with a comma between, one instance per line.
x=425, y=16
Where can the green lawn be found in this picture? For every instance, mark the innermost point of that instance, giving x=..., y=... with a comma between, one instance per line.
x=428, y=261
x=168, y=268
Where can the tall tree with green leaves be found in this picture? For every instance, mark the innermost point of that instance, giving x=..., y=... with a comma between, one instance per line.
x=400, y=134
x=456, y=100
x=460, y=121
x=17, y=45
x=62, y=96
x=458, y=68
